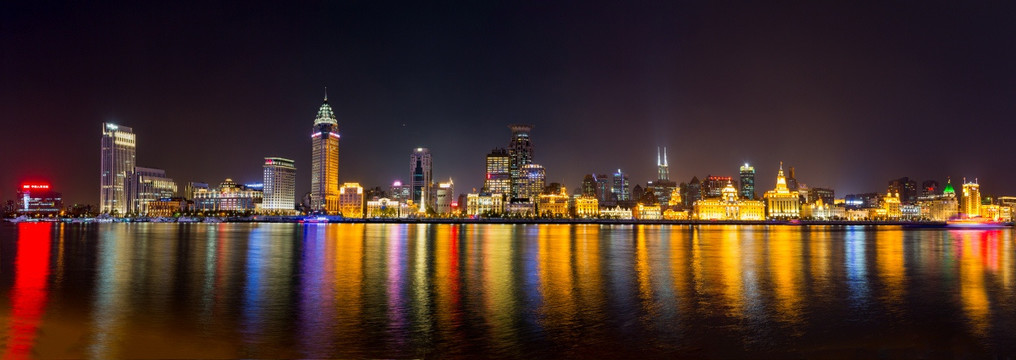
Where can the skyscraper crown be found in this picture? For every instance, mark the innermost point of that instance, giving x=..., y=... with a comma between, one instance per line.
x=325, y=114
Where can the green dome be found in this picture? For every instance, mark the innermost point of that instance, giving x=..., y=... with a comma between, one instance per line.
x=948, y=189
x=325, y=115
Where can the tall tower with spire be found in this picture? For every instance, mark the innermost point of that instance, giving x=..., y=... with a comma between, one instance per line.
x=662, y=168
x=324, y=178
x=781, y=203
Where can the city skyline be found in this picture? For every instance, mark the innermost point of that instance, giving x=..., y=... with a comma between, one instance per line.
x=846, y=121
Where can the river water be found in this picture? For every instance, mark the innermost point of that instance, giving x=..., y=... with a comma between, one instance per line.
x=511, y=291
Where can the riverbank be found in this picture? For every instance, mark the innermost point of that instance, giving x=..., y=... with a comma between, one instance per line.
x=336, y=219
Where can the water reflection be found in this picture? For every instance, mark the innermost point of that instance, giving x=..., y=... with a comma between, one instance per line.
x=29, y=291
x=416, y=290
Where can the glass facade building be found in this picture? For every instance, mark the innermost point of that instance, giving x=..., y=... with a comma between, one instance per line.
x=117, y=168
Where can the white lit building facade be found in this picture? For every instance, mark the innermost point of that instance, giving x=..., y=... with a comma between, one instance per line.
x=117, y=168
x=279, y=185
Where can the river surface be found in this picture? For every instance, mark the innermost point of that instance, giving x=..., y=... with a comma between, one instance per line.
x=509, y=291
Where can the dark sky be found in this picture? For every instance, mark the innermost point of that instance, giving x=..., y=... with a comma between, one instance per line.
x=852, y=94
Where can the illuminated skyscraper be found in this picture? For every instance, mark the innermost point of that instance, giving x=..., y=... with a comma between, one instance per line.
x=280, y=184
x=420, y=167
x=971, y=198
x=662, y=169
x=603, y=193
x=747, y=182
x=324, y=176
x=117, y=171
x=498, y=180
x=533, y=180
x=620, y=186
x=662, y=187
x=520, y=151
x=589, y=185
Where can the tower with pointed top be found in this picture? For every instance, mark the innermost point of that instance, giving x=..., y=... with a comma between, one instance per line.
x=324, y=179
x=662, y=168
x=781, y=203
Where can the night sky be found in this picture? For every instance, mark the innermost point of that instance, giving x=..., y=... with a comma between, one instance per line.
x=851, y=94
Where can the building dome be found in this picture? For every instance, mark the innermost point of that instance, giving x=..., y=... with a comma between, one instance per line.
x=325, y=115
x=948, y=189
x=729, y=193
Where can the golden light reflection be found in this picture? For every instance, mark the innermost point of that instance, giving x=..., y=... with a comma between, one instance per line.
x=785, y=270
x=346, y=264
x=889, y=260
x=446, y=278
x=819, y=258
x=972, y=288
x=679, y=265
x=732, y=273
x=499, y=288
x=556, y=276
x=588, y=271
x=642, y=269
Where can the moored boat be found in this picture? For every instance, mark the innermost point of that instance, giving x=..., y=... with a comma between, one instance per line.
x=976, y=223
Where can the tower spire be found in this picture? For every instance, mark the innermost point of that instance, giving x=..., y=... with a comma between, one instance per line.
x=665, y=156
x=658, y=163
x=326, y=94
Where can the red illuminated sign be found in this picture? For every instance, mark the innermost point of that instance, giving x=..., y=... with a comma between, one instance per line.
x=35, y=186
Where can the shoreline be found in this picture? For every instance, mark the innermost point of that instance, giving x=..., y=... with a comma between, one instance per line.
x=331, y=220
